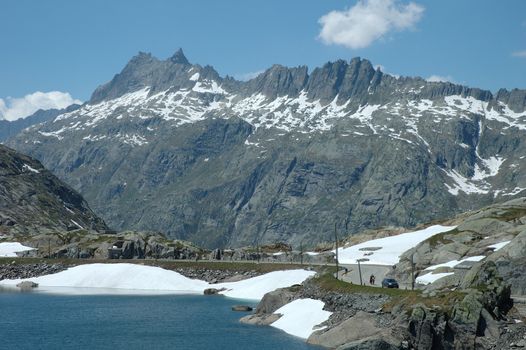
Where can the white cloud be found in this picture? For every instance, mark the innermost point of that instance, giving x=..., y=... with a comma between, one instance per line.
x=367, y=21
x=519, y=54
x=248, y=76
x=15, y=108
x=383, y=70
x=441, y=79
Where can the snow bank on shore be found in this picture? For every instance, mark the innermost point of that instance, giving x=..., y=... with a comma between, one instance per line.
x=148, y=279
x=9, y=249
x=256, y=287
x=301, y=316
x=387, y=251
x=118, y=276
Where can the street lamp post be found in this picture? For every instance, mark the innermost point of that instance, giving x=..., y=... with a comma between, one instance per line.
x=301, y=252
x=360, y=269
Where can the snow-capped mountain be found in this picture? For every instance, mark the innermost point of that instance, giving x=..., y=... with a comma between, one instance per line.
x=173, y=146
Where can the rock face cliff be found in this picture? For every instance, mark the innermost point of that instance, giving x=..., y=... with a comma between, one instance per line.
x=173, y=146
x=33, y=201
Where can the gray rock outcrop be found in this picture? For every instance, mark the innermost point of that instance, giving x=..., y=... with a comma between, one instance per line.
x=33, y=200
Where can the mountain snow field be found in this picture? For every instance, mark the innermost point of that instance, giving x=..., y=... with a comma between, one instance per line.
x=387, y=251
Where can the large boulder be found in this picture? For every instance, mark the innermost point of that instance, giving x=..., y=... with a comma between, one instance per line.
x=360, y=326
x=274, y=300
x=27, y=285
x=370, y=344
x=511, y=263
x=429, y=329
x=485, y=226
x=491, y=290
x=264, y=314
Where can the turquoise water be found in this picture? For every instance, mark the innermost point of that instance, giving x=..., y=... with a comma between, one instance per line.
x=46, y=321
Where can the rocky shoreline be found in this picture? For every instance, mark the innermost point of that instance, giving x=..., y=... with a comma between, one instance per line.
x=216, y=276
x=372, y=320
x=15, y=271
x=480, y=316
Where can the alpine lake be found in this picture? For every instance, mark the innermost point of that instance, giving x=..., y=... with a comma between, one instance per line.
x=37, y=320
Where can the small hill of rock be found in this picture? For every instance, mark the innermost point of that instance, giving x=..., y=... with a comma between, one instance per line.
x=33, y=200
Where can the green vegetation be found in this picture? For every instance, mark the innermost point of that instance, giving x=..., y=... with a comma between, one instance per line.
x=328, y=282
x=401, y=299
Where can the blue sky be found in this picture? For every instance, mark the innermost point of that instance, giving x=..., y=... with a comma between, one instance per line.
x=74, y=46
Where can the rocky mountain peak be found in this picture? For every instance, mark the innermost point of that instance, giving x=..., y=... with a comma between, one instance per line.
x=279, y=80
x=221, y=161
x=145, y=70
x=141, y=57
x=343, y=79
x=179, y=57
x=515, y=99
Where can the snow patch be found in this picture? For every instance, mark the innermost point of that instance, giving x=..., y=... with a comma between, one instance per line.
x=255, y=288
x=467, y=104
x=499, y=246
x=489, y=168
x=77, y=224
x=387, y=250
x=464, y=184
x=33, y=170
x=432, y=277
x=208, y=86
x=9, y=249
x=133, y=278
x=454, y=263
x=300, y=317
x=133, y=139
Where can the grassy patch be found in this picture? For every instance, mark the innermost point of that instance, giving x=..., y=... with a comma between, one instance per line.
x=403, y=300
x=444, y=301
x=328, y=282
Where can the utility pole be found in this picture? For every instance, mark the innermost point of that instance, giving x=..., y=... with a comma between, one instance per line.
x=336, y=243
x=360, y=270
x=301, y=252
x=412, y=273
